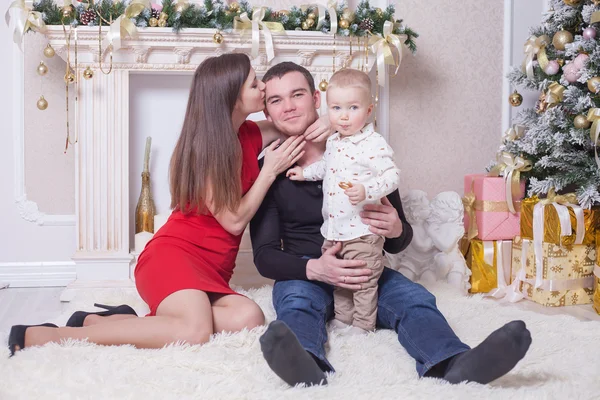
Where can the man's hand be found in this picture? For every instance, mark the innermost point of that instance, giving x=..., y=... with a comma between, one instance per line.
x=382, y=219
x=346, y=274
x=319, y=131
x=356, y=193
x=295, y=173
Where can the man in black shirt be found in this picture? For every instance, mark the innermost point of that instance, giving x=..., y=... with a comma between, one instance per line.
x=287, y=242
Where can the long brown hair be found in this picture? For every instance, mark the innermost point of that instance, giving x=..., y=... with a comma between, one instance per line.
x=208, y=150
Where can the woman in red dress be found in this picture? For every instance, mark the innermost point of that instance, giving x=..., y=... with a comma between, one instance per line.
x=216, y=187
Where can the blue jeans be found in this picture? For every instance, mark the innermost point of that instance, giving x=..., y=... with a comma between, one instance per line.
x=404, y=306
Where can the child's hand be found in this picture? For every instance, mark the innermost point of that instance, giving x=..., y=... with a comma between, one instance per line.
x=356, y=193
x=295, y=173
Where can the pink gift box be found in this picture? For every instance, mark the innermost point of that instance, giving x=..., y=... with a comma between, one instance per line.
x=490, y=195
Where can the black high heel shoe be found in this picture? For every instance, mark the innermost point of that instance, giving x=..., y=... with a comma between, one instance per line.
x=16, y=338
x=76, y=320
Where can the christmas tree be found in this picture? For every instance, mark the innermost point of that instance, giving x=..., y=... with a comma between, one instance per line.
x=558, y=137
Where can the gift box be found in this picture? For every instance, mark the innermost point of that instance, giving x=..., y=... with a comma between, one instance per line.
x=596, y=297
x=552, y=224
x=490, y=265
x=564, y=278
x=485, y=201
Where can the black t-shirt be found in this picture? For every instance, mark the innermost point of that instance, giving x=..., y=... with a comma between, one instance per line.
x=286, y=230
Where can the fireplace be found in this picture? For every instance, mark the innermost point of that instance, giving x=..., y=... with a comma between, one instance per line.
x=108, y=158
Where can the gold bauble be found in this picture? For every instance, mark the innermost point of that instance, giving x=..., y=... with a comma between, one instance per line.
x=88, y=73
x=379, y=12
x=163, y=15
x=310, y=22
x=218, y=38
x=323, y=85
x=572, y=3
x=234, y=7
x=581, y=122
x=162, y=23
x=311, y=15
x=541, y=105
x=561, y=39
x=179, y=8
x=515, y=99
x=593, y=83
x=67, y=11
x=49, y=51
x=305, y=25
x=560, y=61
x=153, y=22
x=69, y=77
x=348, y=15
x=344, y=23
x=42, y=104
x=42, y=69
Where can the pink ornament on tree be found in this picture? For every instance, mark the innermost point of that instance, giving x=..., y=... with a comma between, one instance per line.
x=589, y=33
x=552, y=68
x=572, y=71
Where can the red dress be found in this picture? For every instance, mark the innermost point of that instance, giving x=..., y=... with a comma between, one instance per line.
x=194, y=251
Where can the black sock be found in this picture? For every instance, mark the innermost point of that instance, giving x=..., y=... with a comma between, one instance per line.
x=287, y=358
x=494, y=357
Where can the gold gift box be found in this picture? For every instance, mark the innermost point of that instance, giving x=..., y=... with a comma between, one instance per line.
x=484, y=275
x=562, y=266
x=591, y=220
x=597, y=275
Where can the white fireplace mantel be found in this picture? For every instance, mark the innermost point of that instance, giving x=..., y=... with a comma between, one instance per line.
x=103, y=256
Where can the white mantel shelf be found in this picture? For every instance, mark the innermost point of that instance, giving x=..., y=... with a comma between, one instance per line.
x=162, y=49
x=103, y=256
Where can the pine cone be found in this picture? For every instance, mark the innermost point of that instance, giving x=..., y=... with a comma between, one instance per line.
x=155, y=13
x=366, y=24
x=86, y=17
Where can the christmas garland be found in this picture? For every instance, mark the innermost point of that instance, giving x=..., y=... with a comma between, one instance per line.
x=180, y=14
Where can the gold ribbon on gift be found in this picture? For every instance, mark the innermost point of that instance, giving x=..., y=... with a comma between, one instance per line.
x=469, y=205
x=24, y=19
x=595, y=17
x=330, y=6
x=535, y=46
x=382, y=46
x=555, y=93
x=514, y=132
x=243, y=23
x=510, y=167
x=561, y=204
x=594, y=117
x=122, y=27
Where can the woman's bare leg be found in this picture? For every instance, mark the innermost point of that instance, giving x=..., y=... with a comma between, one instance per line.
x=93, y=319
x=232, y=313
x=185, y=315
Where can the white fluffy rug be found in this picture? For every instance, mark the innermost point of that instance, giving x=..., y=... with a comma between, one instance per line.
x=563, y=362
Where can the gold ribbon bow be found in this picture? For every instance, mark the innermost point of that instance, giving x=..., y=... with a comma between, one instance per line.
x=469, y=205
x=562, y=199
x=535, y=46
x=514, y=132
x=382, y=48
x=511, y=167
x=555, y=93
x=122, y=27
x=257, y=24
x=331, y=5
x=595, y=17
x=24, y=19
x=594, y=117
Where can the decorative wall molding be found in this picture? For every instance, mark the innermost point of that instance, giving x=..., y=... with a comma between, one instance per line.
x=37, y=274
x=28, y=209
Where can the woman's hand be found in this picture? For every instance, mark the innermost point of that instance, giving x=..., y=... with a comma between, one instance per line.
x=319, y=131
x=279, y=159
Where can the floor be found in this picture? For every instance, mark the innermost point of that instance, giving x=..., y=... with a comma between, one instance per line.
x=36, y=305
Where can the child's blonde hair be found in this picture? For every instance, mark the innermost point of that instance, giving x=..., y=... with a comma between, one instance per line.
x=351, y=78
